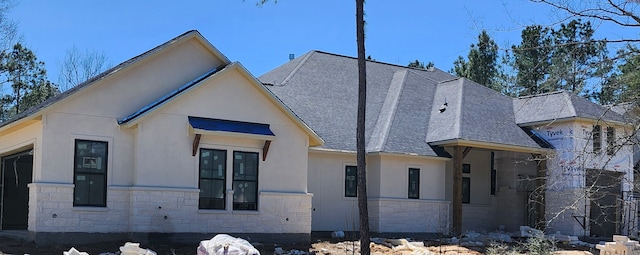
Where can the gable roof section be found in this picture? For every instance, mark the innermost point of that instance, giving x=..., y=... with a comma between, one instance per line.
x=137, y=116
x=475, y=115
x=37, y=110
x=561, y=105
x=131, y=119
x=322, y=89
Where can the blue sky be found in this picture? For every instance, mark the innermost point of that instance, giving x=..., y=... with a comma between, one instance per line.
x=262, y=38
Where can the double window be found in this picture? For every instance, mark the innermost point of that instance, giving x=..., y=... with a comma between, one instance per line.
x=213, y=180
x=90, y=173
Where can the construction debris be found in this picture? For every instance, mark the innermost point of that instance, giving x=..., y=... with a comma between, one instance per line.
x=620, y=245
x=134, y=249
x=73, y=251
x=226, y=245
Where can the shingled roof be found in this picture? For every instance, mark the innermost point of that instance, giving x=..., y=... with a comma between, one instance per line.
x=402, y=105
x=475, y=113
x=561, y=105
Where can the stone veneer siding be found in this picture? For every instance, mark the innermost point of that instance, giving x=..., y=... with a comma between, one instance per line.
x=163, y=210
x=408, y=215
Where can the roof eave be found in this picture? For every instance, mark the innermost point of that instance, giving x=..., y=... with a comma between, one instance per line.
x=573, y=118
x=491, y=146
x=408, y=155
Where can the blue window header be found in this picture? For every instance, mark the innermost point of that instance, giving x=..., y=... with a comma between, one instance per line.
x=230, y=126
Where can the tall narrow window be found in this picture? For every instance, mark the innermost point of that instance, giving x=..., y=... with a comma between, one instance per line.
x=213, y=170
x=245, y=180
x=466, y=190
x=351, y=181
x=493, y=174
x=611, y=140
x=90, y=173
x=596, y=135
x=414, y=183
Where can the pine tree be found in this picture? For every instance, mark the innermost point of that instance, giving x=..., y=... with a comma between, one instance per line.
x=27, y=78
x=482, y=64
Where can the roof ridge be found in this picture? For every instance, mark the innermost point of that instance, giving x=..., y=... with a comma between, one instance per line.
x=412, y=70
x=380, y=133
x=379, y=62
x=572, y=106
x=295, y=69
x=458, y=131
x=541, y=94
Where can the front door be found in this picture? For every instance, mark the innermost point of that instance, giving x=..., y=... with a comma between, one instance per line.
x=15, y=174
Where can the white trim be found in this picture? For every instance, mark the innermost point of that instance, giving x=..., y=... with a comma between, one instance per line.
x=6, y=151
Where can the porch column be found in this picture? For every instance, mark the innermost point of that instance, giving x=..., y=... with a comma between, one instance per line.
x=458, y=156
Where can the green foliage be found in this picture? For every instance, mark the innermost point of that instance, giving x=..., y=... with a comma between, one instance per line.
x=576, y=56
x=623, y=85
x=567, y=58
x=27, y=78
x=421, y=65
x=535, y=245
x=538, y=245
x=482, y=64
x=532, y=61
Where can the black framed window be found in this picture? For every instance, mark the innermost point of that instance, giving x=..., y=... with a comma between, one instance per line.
x=611, y=140
x=245, y=180
x=493, y=174
x=466, y=168
x=414, y=183
x=90, y=173
x=466, y=190
x=596, y=135
x=351, y=181
x=212, y=184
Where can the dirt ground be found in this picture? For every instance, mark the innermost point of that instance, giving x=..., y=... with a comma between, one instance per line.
x=14, y=246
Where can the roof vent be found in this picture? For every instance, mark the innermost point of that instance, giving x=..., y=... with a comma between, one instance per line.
x=291, y=56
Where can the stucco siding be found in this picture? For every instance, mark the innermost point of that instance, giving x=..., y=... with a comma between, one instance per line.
x=390, y=210
x=146, y=81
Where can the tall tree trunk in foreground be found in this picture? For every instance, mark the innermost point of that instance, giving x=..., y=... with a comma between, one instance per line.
x=362, y=99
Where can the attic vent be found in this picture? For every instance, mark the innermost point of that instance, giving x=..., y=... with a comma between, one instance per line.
x=291, y=56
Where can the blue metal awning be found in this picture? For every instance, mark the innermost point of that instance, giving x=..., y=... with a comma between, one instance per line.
x=231, y=126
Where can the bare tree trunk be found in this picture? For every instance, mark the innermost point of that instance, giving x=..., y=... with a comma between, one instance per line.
x=360, y=151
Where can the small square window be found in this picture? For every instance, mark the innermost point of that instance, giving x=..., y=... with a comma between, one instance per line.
x=466, y=168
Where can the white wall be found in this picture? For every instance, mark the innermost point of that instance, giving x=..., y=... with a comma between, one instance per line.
x=151, y=170
x=387, y=184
